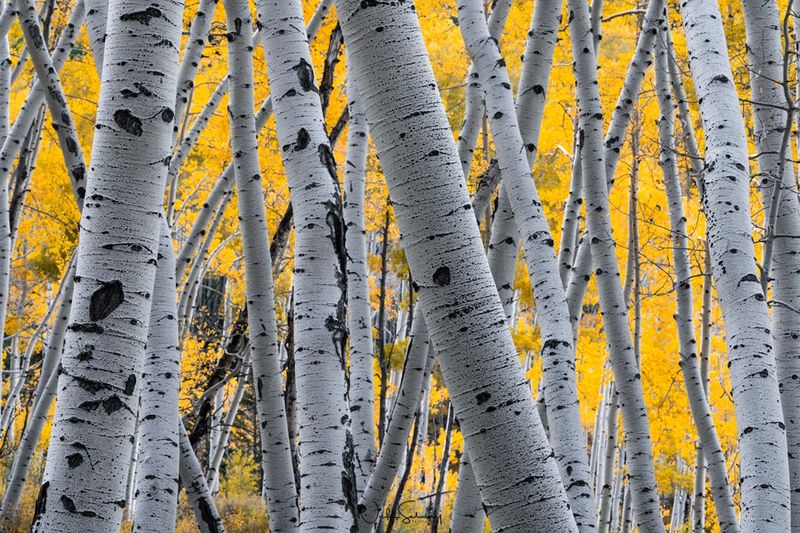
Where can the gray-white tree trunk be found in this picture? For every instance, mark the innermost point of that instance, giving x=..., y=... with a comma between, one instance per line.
x=764, y=464
x=84, y=479
x=514, y=467
x=603, y=247
x=276, y=461
x=690, y=367
x=156, y=487
x=328, y=498
x=359, y=312
x=765, y=55
x=558, y=354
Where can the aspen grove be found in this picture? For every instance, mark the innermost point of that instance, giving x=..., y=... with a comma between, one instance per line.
x=391, y=265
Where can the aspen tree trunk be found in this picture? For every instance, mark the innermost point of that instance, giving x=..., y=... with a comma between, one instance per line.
x=54, y=95
x=614, y=139
x=468, y=515
x=43, y=398
x=198, y=32
x=513, y=464
x=418, y=357
x=558, y=355
x=225, y=182
x=156, y=493
x=690, y=368
x=705, y=350
x=320, y=275
x=766, y=59
x=359, y=312
x=755, y=385
x=220, y=444
x=104, y=349
x=96, y=20
x=205, y=511
x=503, y=248
x=30, y=108
x=607, y=472
x=615, y=316
x=276, y=461
x=474, y=108
x=5, y=221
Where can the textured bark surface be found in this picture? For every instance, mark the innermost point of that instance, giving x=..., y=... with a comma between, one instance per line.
x=689, y=363
x=558, y=354
x=276, y=462
x=514, y=467
x=765, y=55
x=603, y=247
x=762, y=435
x=84, y=481
x=418, y=357
x=359, y=312
x=328, y=496
x=156, y=487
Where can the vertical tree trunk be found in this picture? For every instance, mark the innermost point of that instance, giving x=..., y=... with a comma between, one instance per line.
x=558, y=355
x=615, y=315
x=5, y=221
x=84, y=480
x=279, y=486
x=359, y=312
x=463, y=313
x=156, y=494
x=320, y=275
x=690, y=368
x=766, y=59
x=762, y=435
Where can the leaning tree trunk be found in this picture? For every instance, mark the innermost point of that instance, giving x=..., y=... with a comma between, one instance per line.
x=558, y=354
x=328, y=498
x=43, y=398
x=276, y=460
x=359, y=312
x=5, y=221
x=614, y=140
x=627, y=376
x=512, y=460
x=690, y=366
x=766, y=59
x=762, y=434
x=418, y=359
x=95, y=416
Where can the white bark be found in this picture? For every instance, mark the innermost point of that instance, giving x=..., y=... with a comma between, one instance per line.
x=558, y=354
x=220, y=444
x=5, y=221
x=328, y=496
x=513, y=464
x=690, y=368
x=156, y=492
x=766, y=59
x=474, y=109
x=198, y=30
x=60, y=113
x=43, y=398
x=279, y=483
x=615, y=315
x=359, y=312
x=418, y=357
x=614, y=139
x=762, y=434
x=225, y=182
x=84, y=480
x=205, y=511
